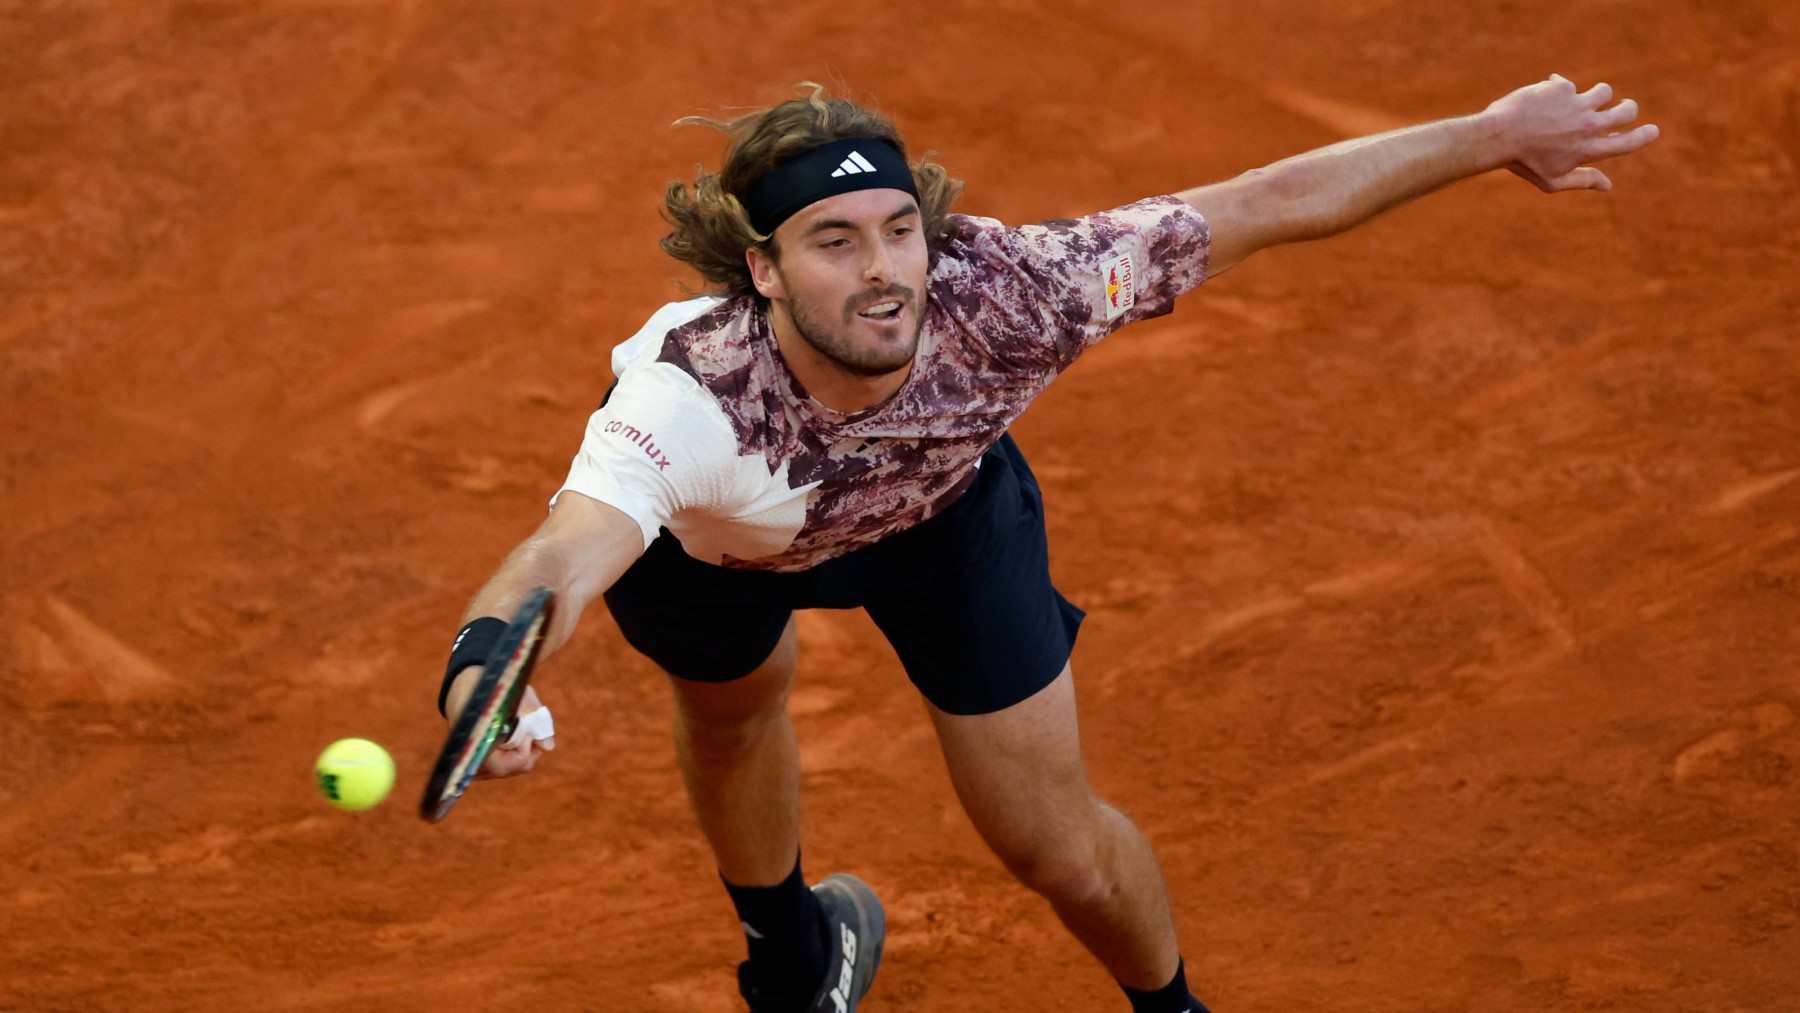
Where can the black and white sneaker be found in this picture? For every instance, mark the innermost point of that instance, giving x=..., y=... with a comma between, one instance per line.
x=855, y=930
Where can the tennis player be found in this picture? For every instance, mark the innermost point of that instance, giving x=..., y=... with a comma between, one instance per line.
x=829, y=430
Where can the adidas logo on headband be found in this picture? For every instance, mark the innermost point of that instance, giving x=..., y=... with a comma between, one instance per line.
x=853, y=165
x=862, y=163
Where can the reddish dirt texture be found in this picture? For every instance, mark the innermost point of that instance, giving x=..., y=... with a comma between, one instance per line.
x=1443, y=577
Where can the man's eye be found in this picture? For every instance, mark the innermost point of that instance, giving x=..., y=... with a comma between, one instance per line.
x=903, y=231
x=833, y=244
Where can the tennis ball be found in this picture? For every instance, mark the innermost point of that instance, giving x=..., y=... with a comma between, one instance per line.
x=354, y=773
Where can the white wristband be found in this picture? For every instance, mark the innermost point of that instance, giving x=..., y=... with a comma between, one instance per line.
x=536, y=725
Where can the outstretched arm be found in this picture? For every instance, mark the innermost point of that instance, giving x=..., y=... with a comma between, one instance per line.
x=579, y=551
x=1547, y=133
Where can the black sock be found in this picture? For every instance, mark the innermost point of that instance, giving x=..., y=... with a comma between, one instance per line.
x=785, y=928
x=1171, y=998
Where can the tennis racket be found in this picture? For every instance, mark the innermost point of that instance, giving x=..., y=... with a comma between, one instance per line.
x=492, y=711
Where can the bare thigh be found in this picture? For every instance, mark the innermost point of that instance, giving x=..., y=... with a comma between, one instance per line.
x=722, y=706
x=1020, y=777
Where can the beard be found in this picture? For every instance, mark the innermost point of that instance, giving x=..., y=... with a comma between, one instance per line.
x=836, y=339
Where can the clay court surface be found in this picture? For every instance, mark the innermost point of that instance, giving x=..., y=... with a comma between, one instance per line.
x=1443, y=578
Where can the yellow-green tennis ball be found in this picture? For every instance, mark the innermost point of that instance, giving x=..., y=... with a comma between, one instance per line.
x=354, y=773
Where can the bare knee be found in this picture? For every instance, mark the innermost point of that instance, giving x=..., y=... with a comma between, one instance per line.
x=1065, y=870
x=723, y=735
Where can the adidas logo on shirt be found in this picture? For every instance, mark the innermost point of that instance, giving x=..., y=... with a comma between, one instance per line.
x=853, y=165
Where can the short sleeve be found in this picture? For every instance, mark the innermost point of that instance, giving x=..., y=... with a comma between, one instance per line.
x=1040, y=295
x=658, y=447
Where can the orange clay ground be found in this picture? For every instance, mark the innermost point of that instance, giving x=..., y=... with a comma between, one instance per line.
x=1443, y=578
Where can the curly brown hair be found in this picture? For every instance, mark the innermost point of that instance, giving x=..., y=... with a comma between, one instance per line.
x=711, y=229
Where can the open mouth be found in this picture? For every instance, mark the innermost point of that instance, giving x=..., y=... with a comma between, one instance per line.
x=882, y=312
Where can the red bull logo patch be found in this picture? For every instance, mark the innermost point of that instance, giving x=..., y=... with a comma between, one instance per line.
x=1121, y=287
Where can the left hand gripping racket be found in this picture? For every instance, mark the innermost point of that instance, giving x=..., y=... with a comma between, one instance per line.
x=492, y=710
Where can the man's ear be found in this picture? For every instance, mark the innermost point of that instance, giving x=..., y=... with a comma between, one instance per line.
x=765, y=273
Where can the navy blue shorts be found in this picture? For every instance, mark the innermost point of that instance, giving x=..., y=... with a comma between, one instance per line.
x=964, y=597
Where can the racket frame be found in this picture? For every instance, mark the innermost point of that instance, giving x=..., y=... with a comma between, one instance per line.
x=491, y=713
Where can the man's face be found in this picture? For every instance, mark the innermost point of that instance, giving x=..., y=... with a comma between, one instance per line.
x=850, y=272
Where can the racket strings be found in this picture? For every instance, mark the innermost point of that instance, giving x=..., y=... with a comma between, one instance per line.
x=492, y=709
x=495, y=711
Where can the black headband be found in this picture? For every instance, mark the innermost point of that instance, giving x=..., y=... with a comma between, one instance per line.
x=837, y=167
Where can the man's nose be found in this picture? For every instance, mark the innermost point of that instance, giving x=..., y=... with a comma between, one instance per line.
x=880, y=266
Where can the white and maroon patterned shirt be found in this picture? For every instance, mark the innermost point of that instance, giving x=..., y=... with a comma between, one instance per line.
x=710, y=435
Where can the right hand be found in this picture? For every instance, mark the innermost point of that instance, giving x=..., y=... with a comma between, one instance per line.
x=503, y=760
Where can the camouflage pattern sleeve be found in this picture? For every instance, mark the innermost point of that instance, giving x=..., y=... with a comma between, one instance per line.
x=1040, y=295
